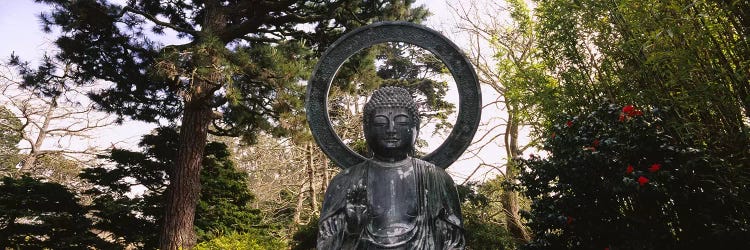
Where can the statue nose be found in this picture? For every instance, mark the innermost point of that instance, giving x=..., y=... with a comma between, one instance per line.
x=391, y=128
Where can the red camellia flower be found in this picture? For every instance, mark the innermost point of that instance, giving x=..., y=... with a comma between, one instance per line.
x=654, y=167
x=629, y=169
x=596, y=143
x=628, y=109
x=642, y=180
x=569, y=123
x=621, y=118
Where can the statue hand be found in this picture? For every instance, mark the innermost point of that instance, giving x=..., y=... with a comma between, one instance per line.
x=356, y=209
x=356, y=216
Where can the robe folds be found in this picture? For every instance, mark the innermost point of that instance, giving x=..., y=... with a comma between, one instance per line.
x=345, y=221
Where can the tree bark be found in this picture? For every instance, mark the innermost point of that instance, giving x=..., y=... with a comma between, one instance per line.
x=297, y=219
x=184, y=187
x=326, y=175
x=36, y=145
x=510, y=198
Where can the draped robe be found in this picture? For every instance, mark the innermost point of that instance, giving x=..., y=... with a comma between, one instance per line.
x=346, y=221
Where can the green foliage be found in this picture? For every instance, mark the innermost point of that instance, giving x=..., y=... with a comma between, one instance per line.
x=39, y=215
x=684, y=55
x=614, y=178
x=255, y=56
x=245, y=59
x=242, y=241
x=521, y=76
x=403, y=65
x=10, y=135
x=483, y=216
x=224, y=205
x=687, y=55
x=222, y=208
x=306, y=236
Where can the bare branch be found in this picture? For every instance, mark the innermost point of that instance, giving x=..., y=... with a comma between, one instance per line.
x=56, y=126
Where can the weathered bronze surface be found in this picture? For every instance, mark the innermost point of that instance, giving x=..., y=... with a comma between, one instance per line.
x=392, y=200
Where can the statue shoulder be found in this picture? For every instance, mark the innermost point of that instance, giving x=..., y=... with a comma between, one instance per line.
x=424, y=163
x=428, y=165
x=434, y=170
x=350, y=171
x=347, y=176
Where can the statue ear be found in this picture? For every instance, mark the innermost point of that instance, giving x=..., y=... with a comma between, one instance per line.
x=414, y=145
x=370, y=153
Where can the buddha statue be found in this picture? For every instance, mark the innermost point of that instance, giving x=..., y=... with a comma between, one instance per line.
x=391, y=200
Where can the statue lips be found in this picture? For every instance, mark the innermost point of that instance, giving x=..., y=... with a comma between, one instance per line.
x=392, y=141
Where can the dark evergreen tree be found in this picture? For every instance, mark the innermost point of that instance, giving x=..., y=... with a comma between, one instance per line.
x=217, y=68
x=136, y=218
x=40, y=215
x=224, y=206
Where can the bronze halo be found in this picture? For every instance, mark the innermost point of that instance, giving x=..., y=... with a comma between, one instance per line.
x=470, y=96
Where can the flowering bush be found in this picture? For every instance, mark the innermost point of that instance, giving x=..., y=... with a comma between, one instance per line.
x=615, y=180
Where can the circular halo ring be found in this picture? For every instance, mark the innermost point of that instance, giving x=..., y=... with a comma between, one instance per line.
x=470, y=97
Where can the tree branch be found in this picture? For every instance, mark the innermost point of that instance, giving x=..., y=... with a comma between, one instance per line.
x=156, y=20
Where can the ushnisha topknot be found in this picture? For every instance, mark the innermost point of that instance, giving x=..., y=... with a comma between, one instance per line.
x=391, y=97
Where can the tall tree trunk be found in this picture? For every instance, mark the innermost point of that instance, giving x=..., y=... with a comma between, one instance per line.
x=513, y=218
x=184, y=187
x=510, y=198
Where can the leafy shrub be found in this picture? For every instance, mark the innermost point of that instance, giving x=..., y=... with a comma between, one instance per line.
x=483, y=217
x=306, y=236
x=615, y=180
x=242, y=241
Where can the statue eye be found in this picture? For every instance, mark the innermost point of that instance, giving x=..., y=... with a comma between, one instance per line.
x=402, y=120
x=380, y=121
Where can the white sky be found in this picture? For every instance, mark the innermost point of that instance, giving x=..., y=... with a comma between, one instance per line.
x=22, y=35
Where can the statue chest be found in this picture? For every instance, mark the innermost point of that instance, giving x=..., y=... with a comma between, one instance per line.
x=392, y=197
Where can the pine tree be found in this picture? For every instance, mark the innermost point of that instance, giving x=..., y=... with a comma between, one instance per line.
x=216, y=69
x=135, y=218
x=41, y=215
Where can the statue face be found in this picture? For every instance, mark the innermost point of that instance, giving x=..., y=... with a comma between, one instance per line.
x=391, y=133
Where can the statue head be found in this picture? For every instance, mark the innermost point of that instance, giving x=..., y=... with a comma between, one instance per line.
x=391, y=123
